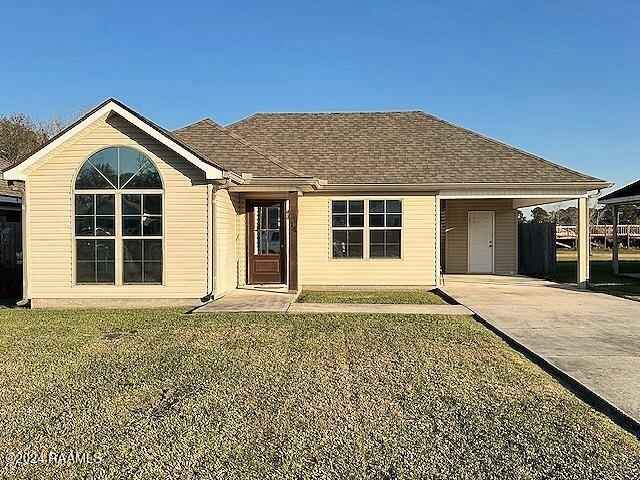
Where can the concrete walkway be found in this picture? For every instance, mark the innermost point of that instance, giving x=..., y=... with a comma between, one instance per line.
x=242, y=300
x=409, y=309
x=592, y=337
x=257, y=300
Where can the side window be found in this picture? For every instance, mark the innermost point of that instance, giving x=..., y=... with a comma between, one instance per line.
x=123, y=176
x=347, y=224
x=385, y=228
x=142, y=238
x=95, y=238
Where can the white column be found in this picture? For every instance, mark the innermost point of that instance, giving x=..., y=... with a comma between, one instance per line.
x=583, y=242
x=614, y=247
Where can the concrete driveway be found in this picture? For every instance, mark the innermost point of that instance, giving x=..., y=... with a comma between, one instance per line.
x=592, y=337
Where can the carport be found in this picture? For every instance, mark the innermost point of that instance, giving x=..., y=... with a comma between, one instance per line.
x=629, y=195
x=493, y=249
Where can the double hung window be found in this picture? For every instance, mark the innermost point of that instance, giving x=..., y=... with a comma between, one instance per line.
x=347, y=221
x=366, y=229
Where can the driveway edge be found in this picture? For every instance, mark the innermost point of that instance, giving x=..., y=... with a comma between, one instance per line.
x=584, y=393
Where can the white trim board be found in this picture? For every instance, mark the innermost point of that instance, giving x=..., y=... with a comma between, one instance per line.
x=19, y=171
x=620, y=200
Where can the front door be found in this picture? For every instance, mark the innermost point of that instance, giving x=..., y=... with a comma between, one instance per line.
x=481, y=242
x=266, y=256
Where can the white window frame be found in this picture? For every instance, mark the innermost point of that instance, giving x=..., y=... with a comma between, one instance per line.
x=385, y=228
x=366, y=229
x=75, y=237
x=119, y=244
x=347, y=228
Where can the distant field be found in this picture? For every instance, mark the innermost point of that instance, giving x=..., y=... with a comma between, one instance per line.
x=596, y=254
x=602, y=277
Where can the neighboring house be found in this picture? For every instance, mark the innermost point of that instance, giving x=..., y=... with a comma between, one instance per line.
x=10, y=202
x=119, y=208
x=628, y=195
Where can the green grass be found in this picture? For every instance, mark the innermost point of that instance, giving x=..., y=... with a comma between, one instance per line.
x=159, y=394
x=602, y=277
x=421, y=297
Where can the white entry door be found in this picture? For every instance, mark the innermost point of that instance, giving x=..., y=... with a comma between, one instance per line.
x=481, y=242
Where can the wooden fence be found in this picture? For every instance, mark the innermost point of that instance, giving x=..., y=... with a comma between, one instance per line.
x=10, y=260
x=537, y=248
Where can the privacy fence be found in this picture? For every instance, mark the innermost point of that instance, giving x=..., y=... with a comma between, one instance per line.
x=537, y=248
x=10, y=260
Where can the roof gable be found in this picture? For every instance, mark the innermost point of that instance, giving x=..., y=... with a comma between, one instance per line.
x=396, y=148
x=212, y=171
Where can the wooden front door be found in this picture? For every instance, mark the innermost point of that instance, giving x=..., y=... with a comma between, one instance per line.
x=266, y=254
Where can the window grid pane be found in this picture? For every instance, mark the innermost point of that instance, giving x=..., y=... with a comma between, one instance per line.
x=385, y=222
x=347, y=221
x=95, y=261
x=142, y=261
x=137, y=219
x=95, y=219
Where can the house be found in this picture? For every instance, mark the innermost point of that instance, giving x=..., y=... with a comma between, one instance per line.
x=10, y=202
x=628, y=195
x=119, y=209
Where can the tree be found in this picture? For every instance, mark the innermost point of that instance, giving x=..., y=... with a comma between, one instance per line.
x=521, y=217
x=541, y=215
x=20, y=134
x=567, y=216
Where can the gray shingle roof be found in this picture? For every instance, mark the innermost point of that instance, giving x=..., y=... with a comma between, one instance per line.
x=394, y=147
x=232, y=152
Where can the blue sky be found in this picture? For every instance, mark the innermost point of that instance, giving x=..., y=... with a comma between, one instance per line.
x=557, y=78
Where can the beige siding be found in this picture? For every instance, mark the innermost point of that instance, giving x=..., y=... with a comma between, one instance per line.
x=456, y=217
x=227, y=241
x=241, y=242
x=417, y=266
x=50, y=222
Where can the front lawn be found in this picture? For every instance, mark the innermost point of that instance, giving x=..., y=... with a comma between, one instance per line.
x=421, y=297
x=160, y=394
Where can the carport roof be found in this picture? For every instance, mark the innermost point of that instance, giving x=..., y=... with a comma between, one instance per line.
x=628, y=194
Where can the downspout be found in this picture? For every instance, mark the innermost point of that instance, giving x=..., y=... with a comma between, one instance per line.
x=25, y=301
x=213, y=242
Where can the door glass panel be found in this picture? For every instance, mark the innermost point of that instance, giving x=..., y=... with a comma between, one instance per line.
x=274, y=241
x=267, y=230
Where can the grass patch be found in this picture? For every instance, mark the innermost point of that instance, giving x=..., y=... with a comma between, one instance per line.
x=602, y=277
x=416, y=297
x=159, y=394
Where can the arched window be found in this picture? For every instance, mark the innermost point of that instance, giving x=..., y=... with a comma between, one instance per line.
x=118, y=218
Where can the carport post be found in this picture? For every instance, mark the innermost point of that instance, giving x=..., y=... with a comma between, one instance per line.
x=614, y=248
x=583, y=242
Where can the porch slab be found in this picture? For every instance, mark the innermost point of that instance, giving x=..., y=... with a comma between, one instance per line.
x=409, y=309
x=247, y=300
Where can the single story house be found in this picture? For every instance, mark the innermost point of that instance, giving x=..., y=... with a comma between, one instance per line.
x=627, y=195
x=118, y=209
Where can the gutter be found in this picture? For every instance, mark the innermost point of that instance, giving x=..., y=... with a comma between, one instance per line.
x=466, y=186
